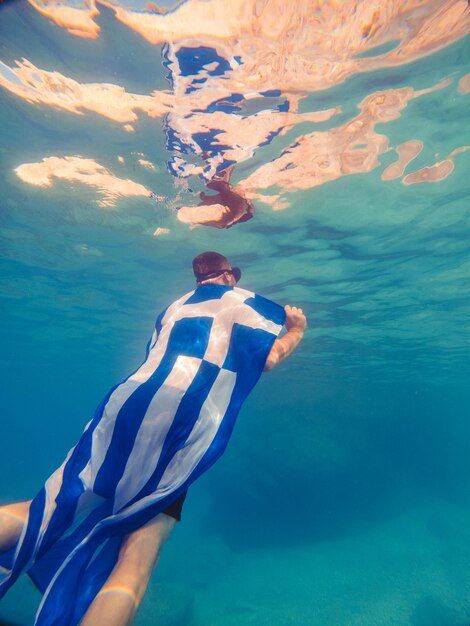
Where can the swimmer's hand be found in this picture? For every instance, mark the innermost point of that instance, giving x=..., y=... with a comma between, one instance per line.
x=295, y=319
x=284, y=346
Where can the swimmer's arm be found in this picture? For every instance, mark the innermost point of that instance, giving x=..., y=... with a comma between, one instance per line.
x=284, y=346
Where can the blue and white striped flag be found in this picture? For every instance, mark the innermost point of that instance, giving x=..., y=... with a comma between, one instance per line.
x=150, y=438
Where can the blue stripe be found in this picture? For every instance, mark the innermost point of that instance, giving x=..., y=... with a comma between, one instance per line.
x=189, y=337
x=49, y=563
x=183, y=423
x=159, y=320
x=270, y=310
x=72, y=486
x=208, y=292
x=248, y=373
x=128, y=422
x=59, y=605
x=7, y=558
x=158, y=328
x=95, y=576
x=82, y=578
x=248, y=346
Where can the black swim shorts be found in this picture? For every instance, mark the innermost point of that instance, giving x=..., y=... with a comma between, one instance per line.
x=174, y=510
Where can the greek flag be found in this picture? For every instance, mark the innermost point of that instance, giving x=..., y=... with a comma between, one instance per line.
x=149, y=439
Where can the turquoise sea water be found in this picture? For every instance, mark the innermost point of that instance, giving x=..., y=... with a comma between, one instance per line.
x=344, y=496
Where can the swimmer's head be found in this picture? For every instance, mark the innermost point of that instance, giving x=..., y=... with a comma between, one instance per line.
x=213, y=267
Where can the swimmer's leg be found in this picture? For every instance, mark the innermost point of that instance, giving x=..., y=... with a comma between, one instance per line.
x=118, y=600
x=12, y=518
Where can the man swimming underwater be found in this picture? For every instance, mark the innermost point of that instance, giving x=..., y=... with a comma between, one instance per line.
x=92, y=536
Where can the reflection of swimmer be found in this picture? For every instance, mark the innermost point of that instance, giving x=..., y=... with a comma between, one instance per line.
x=221, y=210
x=236, y=80
x=120, y=490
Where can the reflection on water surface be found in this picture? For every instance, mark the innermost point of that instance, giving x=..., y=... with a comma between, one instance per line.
x=327, y=137
x=238, y=76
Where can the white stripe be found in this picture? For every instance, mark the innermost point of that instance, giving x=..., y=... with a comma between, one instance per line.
x=52, y=487
x=103, y=433
x=255, y=320
x=225, y=313
x=210, y=417
x=158, y=348
x=244, y=293
x=153, y=339
x=151, y=436
x=203, y=433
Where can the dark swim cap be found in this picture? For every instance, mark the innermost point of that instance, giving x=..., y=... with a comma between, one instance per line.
x=212, y=264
